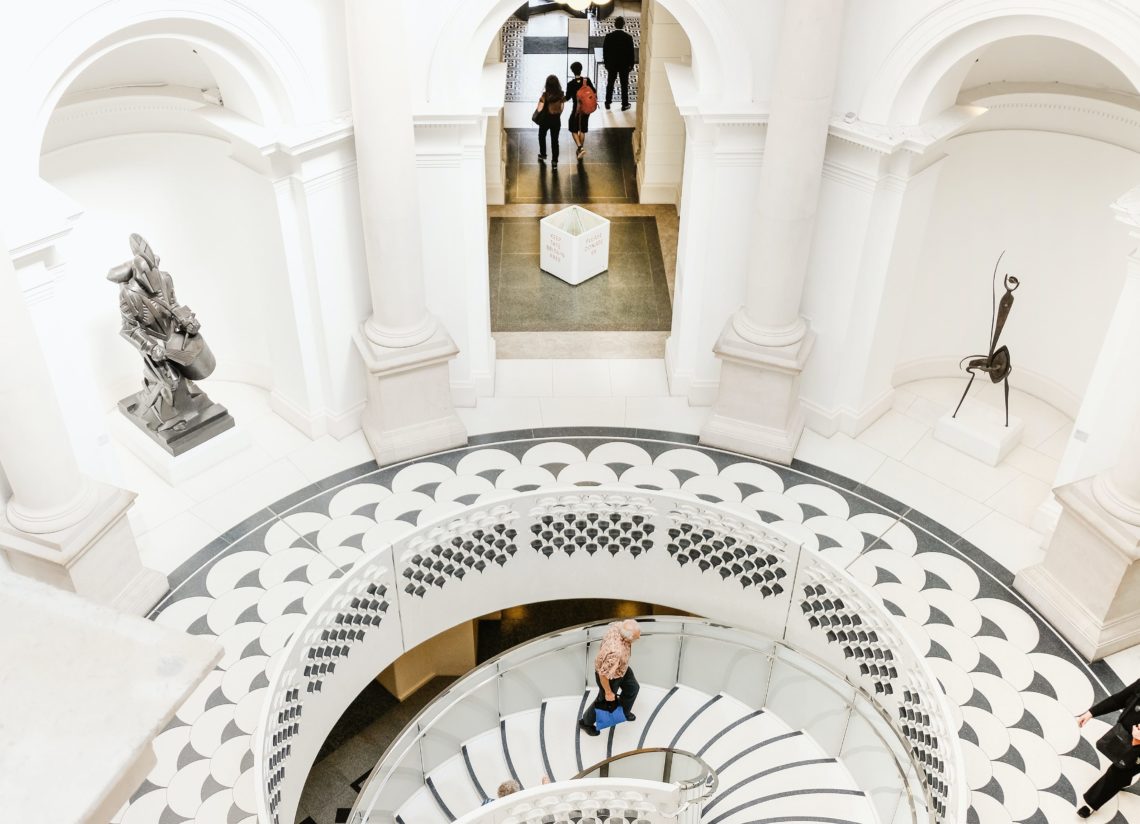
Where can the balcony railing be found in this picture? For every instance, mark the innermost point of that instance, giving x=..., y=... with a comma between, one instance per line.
x=807, y=618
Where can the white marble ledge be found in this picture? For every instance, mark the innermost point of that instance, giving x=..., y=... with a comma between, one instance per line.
x=84, y=690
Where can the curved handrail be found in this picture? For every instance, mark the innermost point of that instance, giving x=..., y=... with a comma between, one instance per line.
x=488, y=672
x=708, y=778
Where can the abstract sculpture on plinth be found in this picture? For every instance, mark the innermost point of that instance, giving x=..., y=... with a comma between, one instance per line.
x=997, y=363
x=170, y=407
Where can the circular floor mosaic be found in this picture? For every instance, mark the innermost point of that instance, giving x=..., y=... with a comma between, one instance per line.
x=1014, y=682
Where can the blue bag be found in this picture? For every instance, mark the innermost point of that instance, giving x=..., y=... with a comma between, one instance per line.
x=604, y=719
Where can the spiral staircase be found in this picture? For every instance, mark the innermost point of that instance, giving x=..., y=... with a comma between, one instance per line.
x=780, y=732
x=766, y=770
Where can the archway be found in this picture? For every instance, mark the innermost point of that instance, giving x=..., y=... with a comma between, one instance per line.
x=444, y=76
x=1042, y=148
x=130, y=132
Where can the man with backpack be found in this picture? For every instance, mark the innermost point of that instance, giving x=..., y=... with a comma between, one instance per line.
x=584, y=97
x=618, y=54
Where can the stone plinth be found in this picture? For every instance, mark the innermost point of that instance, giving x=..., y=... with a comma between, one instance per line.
x=979, y=431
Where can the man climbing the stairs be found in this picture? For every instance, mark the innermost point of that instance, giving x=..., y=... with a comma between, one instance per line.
x=613, y=674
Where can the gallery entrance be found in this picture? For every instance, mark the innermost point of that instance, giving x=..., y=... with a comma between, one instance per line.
x=626, y=311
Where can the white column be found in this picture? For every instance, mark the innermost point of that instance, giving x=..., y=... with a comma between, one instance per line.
x=1088, y=585
x=764, y=347
x=406, y=350
x=57, y=526
x=1118, y=490
x=791, y=173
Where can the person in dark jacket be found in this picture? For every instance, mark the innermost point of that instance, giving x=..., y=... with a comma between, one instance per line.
x=1125, y=767
x=548, y=116
x=618, y=55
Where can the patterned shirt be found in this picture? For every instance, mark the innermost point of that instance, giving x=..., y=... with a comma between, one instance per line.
x=613, y=655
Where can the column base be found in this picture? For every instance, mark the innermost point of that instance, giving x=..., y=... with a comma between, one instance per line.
x=757, y=410
x=1088, y=586
x=409, y=411
x=96, y=558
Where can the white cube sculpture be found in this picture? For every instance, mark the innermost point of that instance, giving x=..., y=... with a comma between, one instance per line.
x=575, y=244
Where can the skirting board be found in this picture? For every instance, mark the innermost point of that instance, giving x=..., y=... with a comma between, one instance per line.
x=844, y=419
x=1031, y=383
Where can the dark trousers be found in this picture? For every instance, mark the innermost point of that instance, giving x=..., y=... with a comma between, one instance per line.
x=611, y=78
x=1113, y=781
x=554, y=130
x=625, y=688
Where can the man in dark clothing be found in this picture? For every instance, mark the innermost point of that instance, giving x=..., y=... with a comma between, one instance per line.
x=1125, y=767
x=618, y=55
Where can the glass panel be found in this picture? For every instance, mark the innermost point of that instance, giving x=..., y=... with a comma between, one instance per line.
x=654, y=658
x=476, y=712
x=813, y=700
x=871, y=763
x=712, y=666
x=649, y=766
x=402, y=781
x=527, y=684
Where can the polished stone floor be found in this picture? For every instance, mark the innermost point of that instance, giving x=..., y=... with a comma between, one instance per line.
x=632, y=295
x=607, y=174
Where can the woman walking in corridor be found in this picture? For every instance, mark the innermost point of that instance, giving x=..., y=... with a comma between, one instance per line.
x=548, y=116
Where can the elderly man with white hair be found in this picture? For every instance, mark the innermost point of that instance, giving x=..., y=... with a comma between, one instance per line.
x=613, y=674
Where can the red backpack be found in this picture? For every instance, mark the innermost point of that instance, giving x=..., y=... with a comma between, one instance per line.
x=587, y=99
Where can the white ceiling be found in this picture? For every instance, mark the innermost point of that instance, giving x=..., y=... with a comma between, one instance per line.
x=1033, y=59
x=145, y=62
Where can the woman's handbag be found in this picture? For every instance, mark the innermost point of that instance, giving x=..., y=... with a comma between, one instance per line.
x=536, y=115
x=1116, y=744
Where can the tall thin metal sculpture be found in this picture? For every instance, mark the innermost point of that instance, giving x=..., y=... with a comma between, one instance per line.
x=997, y=363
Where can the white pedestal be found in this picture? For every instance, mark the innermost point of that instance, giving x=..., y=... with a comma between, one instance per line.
x=575, y=244
x=174, y=470
x=980, y=432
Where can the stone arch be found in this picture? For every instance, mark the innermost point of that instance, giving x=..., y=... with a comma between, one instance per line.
x=722, y=62
x=245, y=53
x=899, y=91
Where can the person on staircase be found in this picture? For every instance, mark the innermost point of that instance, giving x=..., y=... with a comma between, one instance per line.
x=613, y=674
x=584, y=100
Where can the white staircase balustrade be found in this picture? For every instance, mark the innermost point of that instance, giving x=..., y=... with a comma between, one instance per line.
x=807, y=624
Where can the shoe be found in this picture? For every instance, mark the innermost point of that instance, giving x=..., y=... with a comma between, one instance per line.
x=554, y=167
x=589, y=729
x=1084, y=812
x=629, y=716
x=581, y=152
x=625, y=107
x=607, y=107
x=542, y=158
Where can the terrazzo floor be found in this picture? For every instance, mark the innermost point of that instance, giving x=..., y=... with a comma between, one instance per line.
x=1015, y=684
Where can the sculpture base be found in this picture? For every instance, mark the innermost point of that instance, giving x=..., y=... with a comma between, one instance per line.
x=980, y=432
x=174, y=469
x=200, y=420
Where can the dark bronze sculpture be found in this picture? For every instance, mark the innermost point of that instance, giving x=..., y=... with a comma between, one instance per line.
x=170, y=407
x=997, y=363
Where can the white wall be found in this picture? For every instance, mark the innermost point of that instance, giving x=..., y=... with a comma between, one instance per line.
x=1045, y=199
x=212, y=221
x=661, y=129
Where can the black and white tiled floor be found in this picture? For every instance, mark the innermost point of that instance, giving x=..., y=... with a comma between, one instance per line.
x=1015, y=683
